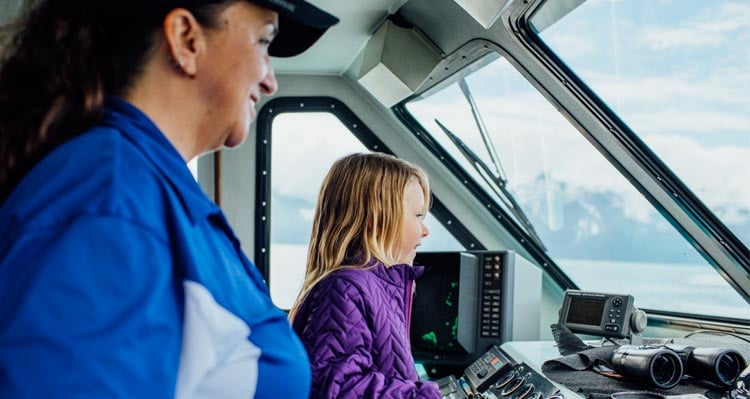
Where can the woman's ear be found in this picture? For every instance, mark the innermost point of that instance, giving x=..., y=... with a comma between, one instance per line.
x=184, y=40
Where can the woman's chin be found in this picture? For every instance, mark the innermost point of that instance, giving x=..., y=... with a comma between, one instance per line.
x=235, y=139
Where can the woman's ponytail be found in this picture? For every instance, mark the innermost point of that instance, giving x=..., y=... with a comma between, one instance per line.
x=50, y=89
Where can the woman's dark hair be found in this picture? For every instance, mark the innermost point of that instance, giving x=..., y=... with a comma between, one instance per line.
x=61, y=58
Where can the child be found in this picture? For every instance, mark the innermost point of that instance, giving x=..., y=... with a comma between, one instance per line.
x=355, y=304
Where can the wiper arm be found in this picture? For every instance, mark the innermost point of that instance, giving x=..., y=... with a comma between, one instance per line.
x=497, y=183
x=483, y=131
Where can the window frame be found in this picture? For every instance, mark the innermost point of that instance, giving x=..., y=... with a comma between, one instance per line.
x=364, y=134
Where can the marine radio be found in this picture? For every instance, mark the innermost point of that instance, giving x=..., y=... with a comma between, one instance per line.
x=604, y=315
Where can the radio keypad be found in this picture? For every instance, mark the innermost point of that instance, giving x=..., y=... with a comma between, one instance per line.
x=614, y=317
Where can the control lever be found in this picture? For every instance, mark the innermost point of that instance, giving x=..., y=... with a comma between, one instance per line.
x=452, y=388
x=481, y=374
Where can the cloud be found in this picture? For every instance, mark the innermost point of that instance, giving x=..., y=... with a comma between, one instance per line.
x=706, y=121
x=673, y=88
x=661, y=38
x=729, y=17
x=293, y=137
x=717, y=175
x=306, y=214
x=710, y=28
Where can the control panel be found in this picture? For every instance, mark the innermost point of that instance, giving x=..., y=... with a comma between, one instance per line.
x=495, y=375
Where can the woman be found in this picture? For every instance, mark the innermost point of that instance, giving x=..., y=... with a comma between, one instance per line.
x=354, y=307
x=119, y=277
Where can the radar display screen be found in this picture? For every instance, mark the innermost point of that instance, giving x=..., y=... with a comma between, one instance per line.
x=435, y=311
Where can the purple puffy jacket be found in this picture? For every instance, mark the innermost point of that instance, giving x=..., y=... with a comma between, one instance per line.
x=354, y=325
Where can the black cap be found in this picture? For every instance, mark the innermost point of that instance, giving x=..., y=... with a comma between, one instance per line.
x=301, y=24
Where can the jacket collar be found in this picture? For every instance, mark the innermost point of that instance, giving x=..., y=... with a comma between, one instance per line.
x=398, y=274
x=137, y=127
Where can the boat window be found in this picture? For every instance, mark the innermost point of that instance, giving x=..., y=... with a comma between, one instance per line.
x=678, y=73
x=304, y=146
x=596, y=226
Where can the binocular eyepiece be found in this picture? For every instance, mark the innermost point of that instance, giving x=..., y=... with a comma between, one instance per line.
x=664, y=366
x=657, y=366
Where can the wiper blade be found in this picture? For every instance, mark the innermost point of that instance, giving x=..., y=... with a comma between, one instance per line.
x=497, y=183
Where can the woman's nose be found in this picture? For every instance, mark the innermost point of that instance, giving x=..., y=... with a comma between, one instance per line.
x=269, y=85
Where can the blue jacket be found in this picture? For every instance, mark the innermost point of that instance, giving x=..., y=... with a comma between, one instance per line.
x=121, y=279
x=355, y=327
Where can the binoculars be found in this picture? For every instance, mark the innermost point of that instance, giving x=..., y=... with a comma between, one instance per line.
x=663, y=366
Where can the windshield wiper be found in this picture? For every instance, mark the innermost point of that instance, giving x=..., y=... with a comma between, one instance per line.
x=496, y=182
x=499, y=172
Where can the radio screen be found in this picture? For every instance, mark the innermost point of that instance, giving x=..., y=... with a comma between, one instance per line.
x=586, y=311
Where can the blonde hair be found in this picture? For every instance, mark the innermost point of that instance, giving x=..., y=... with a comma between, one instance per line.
x=359, y=215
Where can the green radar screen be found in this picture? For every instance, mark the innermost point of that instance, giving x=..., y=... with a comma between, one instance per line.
x=434, y=325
